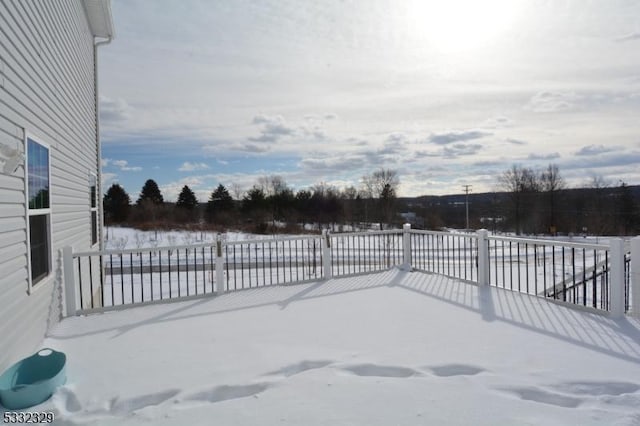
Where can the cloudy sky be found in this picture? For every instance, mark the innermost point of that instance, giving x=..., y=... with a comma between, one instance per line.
x=447, y=93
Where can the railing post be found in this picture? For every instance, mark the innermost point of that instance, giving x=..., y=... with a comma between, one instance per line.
x=616, y=283
x=483, y=257
x=70, y=293
x=326, y=254
x=406, y=246
x=634, y=286
x=219, y=266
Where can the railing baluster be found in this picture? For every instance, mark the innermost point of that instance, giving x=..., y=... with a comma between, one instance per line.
x=178, y=261
x=141, y=280
x=535, y=268
x=186, y=270
x=297, y=265
x=204, y=272
x=564, y=281
x=80, y=282
x=169, y=266
x=249, y=263
x=573, y=270
x=235, y=267
x=112, y=282
x=290, y=265
x=544, y=270
x=195, y=270
x=122, y=279
x=151, y=274
x=526, y=263
x=595, y=286
x=212, y=262
x=160, y=266
x=255, y=246
x=270, y=266
x=91, y=282
x=504, y=278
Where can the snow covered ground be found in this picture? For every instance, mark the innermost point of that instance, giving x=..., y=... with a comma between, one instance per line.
x=393, y=348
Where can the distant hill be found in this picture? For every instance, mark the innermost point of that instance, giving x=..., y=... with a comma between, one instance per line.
x=610, y=210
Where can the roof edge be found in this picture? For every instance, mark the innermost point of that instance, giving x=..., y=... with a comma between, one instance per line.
x=99, y=16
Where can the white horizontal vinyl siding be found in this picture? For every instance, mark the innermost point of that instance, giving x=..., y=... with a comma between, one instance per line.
x=47, y=91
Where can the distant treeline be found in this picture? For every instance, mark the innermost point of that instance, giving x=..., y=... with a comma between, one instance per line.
x=269, y=206
x=528, y=202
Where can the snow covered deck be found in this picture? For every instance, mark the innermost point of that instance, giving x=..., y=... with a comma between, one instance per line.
x=392, y=348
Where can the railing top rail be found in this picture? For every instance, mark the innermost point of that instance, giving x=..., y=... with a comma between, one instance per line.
x=453, y=234
x=190, y=246
x=271, y=240
x=366, y=233
x=543, y=242
x=143, y=249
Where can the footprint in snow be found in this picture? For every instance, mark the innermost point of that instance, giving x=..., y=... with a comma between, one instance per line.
x=597, y=388
x=129, y=405
x=301, y=367
x=449, y=370
x=225, y=392
x=373, y=370
x=544, y=397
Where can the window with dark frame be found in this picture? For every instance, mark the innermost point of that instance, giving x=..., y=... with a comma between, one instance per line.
x=39, y=209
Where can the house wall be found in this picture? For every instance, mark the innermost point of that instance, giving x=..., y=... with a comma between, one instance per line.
x=46, y=90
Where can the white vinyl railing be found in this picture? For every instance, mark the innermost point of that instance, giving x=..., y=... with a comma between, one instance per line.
x=591, y=275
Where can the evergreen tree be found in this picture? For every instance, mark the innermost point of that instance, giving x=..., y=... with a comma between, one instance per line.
x=187, y=199
x=150, y=192
x=116, y=204
x=220, y=201
x=221, y=198
x=254, y=201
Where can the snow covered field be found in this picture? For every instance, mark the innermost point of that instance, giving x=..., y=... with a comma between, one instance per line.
x=392, y=348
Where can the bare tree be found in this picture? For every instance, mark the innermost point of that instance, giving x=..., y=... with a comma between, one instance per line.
x=237, y=191
x=519, y=182
x=383, y=185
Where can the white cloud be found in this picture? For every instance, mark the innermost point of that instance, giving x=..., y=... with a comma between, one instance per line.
x=124, y=166
x=460, y=149
x=273, y=128
x=497, y=122
x=630, y=37
x=114, y=110
x=594, y=150
x=171, y=190
x=456, y=136
x=544, y=102
x=190, y=167
x=252, y=148
x=549, y=156
x=108, y=179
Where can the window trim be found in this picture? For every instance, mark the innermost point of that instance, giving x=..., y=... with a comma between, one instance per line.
x=93, y=209
x=36, y=212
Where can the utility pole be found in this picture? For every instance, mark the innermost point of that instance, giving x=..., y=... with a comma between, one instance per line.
x=467, y=188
